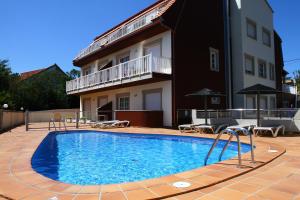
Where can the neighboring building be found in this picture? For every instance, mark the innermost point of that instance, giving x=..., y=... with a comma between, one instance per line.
x=152, y=60
x=44, y=89
x=29, y=74
x=253, y=49
x=289, y=95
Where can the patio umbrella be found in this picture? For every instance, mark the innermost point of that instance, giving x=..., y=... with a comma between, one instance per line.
x=258, y=89
x=205, y=92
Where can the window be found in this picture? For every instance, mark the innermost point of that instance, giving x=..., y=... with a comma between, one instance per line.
x=250, y=102
x=123, y=59
x=272, y=102
x=215, y=100
x=214, y=59
x=123, y=102
x=262, y=69
x=87, y=71
x=251, y=29
x=264, y=102
x=249, y=65
x=266, y=37
x=272, y=71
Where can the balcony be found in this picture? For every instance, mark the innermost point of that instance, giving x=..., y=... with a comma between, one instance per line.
x=124, y=30
x=134, y=70
x=290, y=89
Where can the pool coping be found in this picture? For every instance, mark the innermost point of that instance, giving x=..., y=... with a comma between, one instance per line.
x=157, y=188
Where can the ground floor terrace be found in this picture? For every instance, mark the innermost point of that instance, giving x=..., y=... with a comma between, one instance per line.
x=274, y=176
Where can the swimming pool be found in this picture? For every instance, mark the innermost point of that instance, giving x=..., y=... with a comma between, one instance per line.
x=94, y=157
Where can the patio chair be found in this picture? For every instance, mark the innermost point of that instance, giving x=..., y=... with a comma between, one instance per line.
x=273, y=129
x=57, y=117
x=187, y=127
x=214, y=128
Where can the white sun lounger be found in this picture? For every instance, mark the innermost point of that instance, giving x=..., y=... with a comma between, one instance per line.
x=187, y=127
x=112, y=124
x=213, y=128
x=248, y=127
x=274, y=130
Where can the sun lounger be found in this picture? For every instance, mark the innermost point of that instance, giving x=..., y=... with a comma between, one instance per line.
x=212, y=128
x=187, y=127
x=112, y=124
x=248, y=127
x=273, y=129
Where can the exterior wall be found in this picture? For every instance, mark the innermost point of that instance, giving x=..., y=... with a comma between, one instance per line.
x=259, y=12
x=199, y=27
x=136, y=98
x=135, y=51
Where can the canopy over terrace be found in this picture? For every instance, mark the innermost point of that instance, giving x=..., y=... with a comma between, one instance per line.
x=258, y=89
x=205, y=92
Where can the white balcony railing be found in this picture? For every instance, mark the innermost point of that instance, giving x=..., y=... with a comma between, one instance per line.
x=119, y=33
x=291, y=89
x=133, y=68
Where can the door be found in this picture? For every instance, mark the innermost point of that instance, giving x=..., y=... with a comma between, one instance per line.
x=155, y=51
x=152, y=100
x=102, y=101
x=86, y=105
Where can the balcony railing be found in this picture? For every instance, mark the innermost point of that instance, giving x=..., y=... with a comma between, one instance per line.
x=119, y=33
x=134, y=68
x=289, y=89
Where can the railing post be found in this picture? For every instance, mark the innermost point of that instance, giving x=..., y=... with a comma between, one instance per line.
x=150, y=63
x=77, y=120
x=27, y=120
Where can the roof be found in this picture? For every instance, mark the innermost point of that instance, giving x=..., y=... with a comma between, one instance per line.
x=26, y=75
x=268, y=4
x=164, y=5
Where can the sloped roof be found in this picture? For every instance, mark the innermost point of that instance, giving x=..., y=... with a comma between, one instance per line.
x=163, y=6
x=26, y=75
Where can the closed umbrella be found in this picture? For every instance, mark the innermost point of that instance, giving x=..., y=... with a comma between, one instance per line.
x=258, y=90
x=205, y=92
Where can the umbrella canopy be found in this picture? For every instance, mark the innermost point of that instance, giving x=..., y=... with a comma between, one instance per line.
x=205, y=92
x=258, y=89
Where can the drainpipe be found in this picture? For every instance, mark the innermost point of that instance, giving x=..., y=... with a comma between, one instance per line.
x=227, y=48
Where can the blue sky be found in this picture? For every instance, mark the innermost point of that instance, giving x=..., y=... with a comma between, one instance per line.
x=36, y=34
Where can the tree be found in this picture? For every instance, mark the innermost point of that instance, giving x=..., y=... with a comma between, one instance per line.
x=8, y=81
x=73, y=74
x=297, y=78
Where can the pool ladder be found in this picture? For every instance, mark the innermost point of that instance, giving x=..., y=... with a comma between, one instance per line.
x=231, y=134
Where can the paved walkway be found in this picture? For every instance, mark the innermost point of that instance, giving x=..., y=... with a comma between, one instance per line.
x=279, y=179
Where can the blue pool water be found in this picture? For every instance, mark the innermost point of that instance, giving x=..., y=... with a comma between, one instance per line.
x=91, y=157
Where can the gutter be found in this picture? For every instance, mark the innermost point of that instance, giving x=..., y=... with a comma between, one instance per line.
x=228, y=53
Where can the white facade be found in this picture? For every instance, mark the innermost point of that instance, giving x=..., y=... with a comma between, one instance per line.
x=134, y=51
x=152, y=96
x=136, y=96
x=245, y=15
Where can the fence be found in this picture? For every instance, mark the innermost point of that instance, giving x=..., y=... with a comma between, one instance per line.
x=10, y=119
x=288, y=117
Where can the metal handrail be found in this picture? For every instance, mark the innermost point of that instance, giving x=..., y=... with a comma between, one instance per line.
x=232, y=133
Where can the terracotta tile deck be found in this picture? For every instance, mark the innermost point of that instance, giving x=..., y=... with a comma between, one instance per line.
x=273, y=176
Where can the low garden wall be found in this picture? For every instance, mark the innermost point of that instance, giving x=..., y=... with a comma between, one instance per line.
x=10, y=119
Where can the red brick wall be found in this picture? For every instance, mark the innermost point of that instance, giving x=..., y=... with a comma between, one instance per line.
x=142, y=118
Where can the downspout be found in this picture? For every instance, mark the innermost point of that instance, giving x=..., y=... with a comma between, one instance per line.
x=228, y=53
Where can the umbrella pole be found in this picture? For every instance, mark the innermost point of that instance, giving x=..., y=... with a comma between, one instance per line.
x=258, y=109
x=205, y=109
